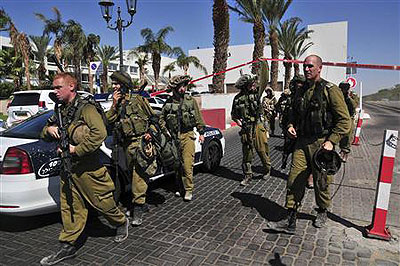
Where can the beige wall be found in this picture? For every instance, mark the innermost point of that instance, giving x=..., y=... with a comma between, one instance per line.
x=3, y=106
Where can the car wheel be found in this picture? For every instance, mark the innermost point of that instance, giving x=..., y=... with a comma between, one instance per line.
x=212, y=157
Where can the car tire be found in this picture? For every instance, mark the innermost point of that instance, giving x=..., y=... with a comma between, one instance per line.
x=212, y=157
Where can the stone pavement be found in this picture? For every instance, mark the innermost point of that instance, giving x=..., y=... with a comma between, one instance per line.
x=225, y=224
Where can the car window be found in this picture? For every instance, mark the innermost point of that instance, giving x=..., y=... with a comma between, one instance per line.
x=151, y=100
x=24, y=99
x=29, y=128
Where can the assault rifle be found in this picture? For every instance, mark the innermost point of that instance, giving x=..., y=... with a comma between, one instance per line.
x=66, y=164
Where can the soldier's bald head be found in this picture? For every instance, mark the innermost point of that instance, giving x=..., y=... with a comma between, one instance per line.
x=317, y=59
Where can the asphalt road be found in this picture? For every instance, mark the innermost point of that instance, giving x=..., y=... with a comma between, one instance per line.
x=225, y=224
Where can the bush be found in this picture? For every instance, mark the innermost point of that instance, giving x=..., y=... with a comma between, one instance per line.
x=6, y=89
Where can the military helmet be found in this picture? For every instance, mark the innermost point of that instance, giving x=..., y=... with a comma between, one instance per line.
x=122, y=78
x=344, y=85
x=78, y=133
x=178, y=81
x=299, y=78
x=244, y=82
x=327, y=161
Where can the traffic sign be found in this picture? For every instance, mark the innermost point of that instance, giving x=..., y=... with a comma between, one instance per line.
x=352, y=81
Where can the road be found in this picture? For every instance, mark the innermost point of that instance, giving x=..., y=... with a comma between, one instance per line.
x=225, y=224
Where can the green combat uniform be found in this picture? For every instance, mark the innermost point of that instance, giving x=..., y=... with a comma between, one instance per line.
x=319, y=113
x=269, y=112
x=131, y=119
x=179, y=115
x=351, y=103
x=90, y=182
x=246, y=108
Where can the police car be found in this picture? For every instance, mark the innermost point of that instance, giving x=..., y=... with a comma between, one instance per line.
x=30, y=167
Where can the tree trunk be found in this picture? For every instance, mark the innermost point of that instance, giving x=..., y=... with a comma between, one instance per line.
x=156, y=68
x=273, y=38
x=141, y=73
x=296, y=69
x=259, y=42
x=104, y=79
x=288, y=72
x=221, y=42
x=58, y=52
x=27, y=74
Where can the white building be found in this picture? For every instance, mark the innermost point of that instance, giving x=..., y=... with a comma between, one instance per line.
x=330, y=43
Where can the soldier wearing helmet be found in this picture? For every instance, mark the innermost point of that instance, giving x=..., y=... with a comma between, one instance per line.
x=352, y=102
x=179, y=115
x=130, y=114
x=319, y=119
x=247, y=113
x=268, y=104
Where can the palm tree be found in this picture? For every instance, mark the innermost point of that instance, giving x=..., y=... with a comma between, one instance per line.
x=89, y=53
x=56, y=27
x=169, y=68
x=221, y=43
x=156, y=45
x=142, y=59
x=20, y=42
x=41, y=52
x=300, y=48
x=272, y=13
x=105, y=54
x=74, y=40
x=183, y=61
x=289, y=36
x=250, y=11
x=11, y=66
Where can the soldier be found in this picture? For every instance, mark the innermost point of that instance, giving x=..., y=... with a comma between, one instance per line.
x=268, y=104
x=89, y=182
x=131, y=114
x=246, y=112
x=351, y=102
x=179, y=115
x=319, y=120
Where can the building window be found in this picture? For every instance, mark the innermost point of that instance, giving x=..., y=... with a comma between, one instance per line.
x=113, y=67
x=85, y=78
x=133, y=70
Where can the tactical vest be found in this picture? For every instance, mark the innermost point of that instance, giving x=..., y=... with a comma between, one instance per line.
x=134, y=122
x=247, y=107
x=350, y=106
x=180, y=116
x=314, y=116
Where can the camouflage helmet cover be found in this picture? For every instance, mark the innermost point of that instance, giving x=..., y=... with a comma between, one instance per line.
x=178, y=81
x=122, y=78
x=344, y=85
x=244, y=82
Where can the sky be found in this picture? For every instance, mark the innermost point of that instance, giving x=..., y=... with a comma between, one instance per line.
x=373, y=26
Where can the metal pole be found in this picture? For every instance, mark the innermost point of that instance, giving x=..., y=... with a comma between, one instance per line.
x=119, y=27
x=361, y=94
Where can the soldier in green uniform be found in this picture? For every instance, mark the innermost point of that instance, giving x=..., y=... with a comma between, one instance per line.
x=179, y=115
x=131, y=114
x=89, y=182
x=319, y=120
x=268, y=104
x=247, y=113
x=351, y=102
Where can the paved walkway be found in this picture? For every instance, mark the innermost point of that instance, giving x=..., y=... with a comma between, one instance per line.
x=226, y=223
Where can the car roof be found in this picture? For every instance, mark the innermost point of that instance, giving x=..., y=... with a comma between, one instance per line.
x=31, y=91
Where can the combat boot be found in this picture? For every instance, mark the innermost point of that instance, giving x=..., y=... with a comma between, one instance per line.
x=246, y=180
x=287, y=225
x=188, y=196
x=322, y=217
x=122, y=232
x=137, y=215
x=266, y=176
x=67, y=251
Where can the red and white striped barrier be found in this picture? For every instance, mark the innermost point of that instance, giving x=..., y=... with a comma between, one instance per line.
x=356, y=140
x=378, y=227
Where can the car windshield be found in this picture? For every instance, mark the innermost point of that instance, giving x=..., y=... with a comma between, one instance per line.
x=23, y=99
x=29, y=128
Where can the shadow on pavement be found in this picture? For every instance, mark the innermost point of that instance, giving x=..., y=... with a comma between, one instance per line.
x=276, y=261
x=20, y=224
x=227, y=173
x=268, y=209
x=259, y=170
x=346, y=223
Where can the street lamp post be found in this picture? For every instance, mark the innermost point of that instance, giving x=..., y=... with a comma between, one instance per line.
x=106, y=10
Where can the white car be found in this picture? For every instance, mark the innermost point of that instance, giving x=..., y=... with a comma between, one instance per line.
x=24, y=104
x=29, y=167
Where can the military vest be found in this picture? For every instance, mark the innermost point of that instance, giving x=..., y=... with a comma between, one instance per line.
x=134, y=121
x=180, y=116
x=351, y=106
x=314, y=115
x=247, y=107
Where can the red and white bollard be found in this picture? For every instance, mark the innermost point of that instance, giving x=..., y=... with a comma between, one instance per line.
x=356, y=140
x=378, y=227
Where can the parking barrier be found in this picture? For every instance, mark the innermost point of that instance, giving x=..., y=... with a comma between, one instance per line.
x=378, y=228
x=356, y=140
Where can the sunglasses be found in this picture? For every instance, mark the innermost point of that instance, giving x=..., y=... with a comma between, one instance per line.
x=308, y=65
